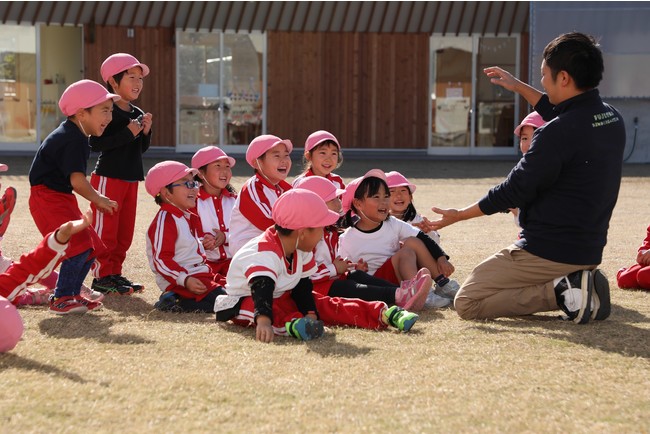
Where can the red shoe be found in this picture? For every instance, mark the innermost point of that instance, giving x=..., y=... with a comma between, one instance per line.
x=7, y=204
x=67, y=304
x=90, y=305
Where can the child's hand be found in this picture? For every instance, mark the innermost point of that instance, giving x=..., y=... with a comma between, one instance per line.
x=134, y=127
x=425, y=225
x=67, y=230
x=194, y=285
x=219, y=237
x=361, y=265
x=106, y=205
x=209, y=242
x=445, y=267
x=264, y=329
x=341, y=265
x=147, y=120
x=643, y=257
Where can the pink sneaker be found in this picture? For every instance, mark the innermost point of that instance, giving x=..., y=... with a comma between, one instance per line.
x=91, y=294
x=412, y=293
x=33, y=297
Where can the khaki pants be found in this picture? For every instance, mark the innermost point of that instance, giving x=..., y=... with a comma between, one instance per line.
x=511, y=282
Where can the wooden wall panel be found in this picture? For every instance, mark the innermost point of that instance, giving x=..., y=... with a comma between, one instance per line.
x=152, y=46
x=369, y=89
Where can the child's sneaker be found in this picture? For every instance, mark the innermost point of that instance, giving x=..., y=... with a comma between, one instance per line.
x=67, y=304
x=33, y=297
x=399, y=318
x=447, y=289
x=305, y=328
x=434, y=301
x=412, y=294
x=7, y=204
x=107, y=285
x=121, y=280
x=90, y=305
x=168, y=302
x=90, y=294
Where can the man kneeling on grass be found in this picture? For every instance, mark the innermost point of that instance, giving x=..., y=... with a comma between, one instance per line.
x=269, y=286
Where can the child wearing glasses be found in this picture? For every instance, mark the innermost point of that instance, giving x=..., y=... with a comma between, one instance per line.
x=176, y=256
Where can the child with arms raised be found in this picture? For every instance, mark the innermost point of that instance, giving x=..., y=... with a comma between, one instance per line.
x=215, y=204
x=269, y=285
x=270, y=156
x=175, y=254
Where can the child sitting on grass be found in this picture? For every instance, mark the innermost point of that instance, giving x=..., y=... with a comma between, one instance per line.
x=269, y=286
x=637, y=276
x=176, y=256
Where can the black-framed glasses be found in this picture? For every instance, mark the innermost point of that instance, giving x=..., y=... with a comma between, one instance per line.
x=189, y=184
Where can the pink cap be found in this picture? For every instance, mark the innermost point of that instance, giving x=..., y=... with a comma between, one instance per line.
x=299, y=208
x=396, y=179
x=261, y=144
x=11, y=325
x=3, y=167
x=84, y=94
x=533, y=119
x=321, y=186
x=208, y=155
x=118, y=62
x=164, y=173
x=319, y=137
x=351, y=188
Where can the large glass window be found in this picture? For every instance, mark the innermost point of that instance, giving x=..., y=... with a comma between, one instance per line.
x=17, y=84
x=220, y=88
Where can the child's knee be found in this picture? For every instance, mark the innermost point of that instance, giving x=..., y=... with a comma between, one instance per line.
x=11, y=326
x=643, y=278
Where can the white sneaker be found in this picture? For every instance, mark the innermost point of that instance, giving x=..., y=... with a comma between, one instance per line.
x=449, y=290
x=91, y=294
x=434, y=301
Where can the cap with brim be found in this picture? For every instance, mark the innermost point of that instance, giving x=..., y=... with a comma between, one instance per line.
x=263, y=143
x=165, y=173
x=395, y=179
x=319, y=137
x=351, y=188
x=118, y=62
x=321, y=186
x=533, y=119
x=84, y=94
x=208, y=155
x=3, y=167
x=299, y=208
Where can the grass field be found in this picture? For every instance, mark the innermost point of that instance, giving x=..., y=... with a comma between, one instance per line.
x=130, y=368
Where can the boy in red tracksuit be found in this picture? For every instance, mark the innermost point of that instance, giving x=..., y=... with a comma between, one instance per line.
x=119, y=170
x=27, y=270
x=269, y=286
x=637, y=275
x=175, y=253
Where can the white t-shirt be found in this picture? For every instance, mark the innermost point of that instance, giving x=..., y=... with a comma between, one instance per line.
x=377, y=246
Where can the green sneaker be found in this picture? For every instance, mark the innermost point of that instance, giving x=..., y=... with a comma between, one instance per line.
x=399, y=318
x=305, y=328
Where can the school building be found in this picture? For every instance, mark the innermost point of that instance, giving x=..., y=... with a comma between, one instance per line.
x=401, y=77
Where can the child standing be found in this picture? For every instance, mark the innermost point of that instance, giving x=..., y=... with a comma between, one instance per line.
x=269, y=285
x=215, y=204
x=175, y=254
x=338, y=277
x=58, y=169
x=393, y=249
x=637, y=275
x=119, y=169
x=322, y=156
x=270, y=156
x=401, y=204
x=27, y=270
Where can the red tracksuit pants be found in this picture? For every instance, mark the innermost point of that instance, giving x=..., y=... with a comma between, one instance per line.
x=115, y=230
x=637, y=276
x=333, y=311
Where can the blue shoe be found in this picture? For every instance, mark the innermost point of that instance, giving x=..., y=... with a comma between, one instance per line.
x=305, y=329
x=168, y=302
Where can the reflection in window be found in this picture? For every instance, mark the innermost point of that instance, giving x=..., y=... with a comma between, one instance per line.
x=220, y=88
x=17, y=84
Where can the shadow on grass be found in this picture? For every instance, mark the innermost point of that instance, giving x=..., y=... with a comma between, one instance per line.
x=88, y=326
x=617, y=334
x=127, y=305
x=9, y=360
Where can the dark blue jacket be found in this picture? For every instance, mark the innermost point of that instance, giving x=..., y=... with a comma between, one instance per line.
x=567, y=184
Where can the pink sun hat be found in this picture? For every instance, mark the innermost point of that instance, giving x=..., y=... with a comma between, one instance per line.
x=321, y=186
x=208, y=155
x=84, y=94
x=299, y=208
x=533, y=119
x=164, y=173
x=318, y=137
x=351, y=188
x=118, y=62
x=3, y=167
x=11, y=325
x=396, y=179
x=263, y=143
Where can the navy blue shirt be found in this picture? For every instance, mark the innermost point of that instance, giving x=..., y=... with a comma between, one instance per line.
x=567, y=184
x=63, y=152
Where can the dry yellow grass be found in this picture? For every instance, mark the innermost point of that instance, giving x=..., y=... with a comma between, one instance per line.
x=129, y=368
